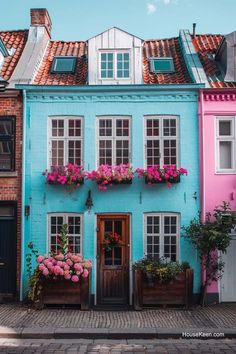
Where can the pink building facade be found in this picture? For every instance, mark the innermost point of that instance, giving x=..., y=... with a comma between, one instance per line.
x=217, y=129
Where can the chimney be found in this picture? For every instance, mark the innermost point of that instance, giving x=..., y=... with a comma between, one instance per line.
x=194, y=29
x=41, y=18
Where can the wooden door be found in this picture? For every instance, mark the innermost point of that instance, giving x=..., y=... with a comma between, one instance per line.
x=7, y=249
x=113, y=260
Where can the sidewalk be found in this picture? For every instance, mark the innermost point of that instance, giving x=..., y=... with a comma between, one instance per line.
x=19, y=321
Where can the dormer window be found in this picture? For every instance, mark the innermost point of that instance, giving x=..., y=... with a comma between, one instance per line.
x=63, y=65
x=162, y=65
x=114, y=65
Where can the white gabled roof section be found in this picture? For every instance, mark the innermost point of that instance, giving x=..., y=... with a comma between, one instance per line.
x=191, y=58
x=114, y=39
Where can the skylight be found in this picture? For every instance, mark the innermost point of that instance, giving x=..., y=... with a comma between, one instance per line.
x=3, y=49
x=162, y=65
x=63, y=65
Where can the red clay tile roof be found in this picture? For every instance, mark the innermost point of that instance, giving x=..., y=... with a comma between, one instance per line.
x=165, y=48
x=16, y=40
x=206, y=47
x=57, y=48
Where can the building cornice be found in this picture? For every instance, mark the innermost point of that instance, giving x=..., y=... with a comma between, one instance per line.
x=111, y=93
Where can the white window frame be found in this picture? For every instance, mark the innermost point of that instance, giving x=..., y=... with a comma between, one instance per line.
x=161, y=137
x=161, y=233
x=113, y=137
x=114, y=52
x=65, y=138
x=65, y=221
x=230, y=138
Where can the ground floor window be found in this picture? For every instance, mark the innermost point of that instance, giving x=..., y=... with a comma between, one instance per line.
x=74, y=222
x=162, y=235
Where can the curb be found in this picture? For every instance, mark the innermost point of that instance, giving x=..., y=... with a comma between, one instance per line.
x=118, y=333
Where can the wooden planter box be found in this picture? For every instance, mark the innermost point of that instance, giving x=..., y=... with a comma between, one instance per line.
x=171, y=180
x=175, y=292
x=65, y=292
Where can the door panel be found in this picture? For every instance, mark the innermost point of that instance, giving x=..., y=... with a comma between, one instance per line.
x=7, y=249
x=113, y=260
x=228, y=281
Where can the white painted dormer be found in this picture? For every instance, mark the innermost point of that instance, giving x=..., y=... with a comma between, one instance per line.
x=114, y=58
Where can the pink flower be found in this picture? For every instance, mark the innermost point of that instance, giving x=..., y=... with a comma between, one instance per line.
x=41, y=267
x=49, y=265
x=69, y=262
x=39, y=259
x=66, y=267
x=67, y=276
x=45, y=272
x=75, y=278
x=59, y=257
x=85, y=273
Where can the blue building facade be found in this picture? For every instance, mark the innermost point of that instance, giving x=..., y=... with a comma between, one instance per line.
x=152, y=215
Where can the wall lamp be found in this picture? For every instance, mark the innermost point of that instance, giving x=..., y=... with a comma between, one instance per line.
x=89, y=201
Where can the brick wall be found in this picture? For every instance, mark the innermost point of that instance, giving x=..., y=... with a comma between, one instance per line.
x=10, y=183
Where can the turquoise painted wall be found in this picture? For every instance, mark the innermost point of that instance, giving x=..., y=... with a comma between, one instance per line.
x=44, y=199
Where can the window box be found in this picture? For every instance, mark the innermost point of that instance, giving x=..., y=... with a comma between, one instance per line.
x=177, y=291
x=170, y=180
x=106, y=175
x=70, y=175
x=167, y=174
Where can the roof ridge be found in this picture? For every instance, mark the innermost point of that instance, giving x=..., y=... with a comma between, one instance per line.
x=159, y=39
x=19, y=30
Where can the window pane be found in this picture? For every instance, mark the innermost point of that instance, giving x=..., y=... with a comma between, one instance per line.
x=225, y=128
x=225, y=154
x=6, y=127
x=75, y=127
x=117, y=256
x=64, y=65
x=6, y=155
x=57, y=157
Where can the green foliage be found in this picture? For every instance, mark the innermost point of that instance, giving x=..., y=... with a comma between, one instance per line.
x=32, y=253
x=160, y=270
x=209, y=237
x=63, y=239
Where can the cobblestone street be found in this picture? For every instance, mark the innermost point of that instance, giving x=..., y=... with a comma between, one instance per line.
x=217, y=316
x=17, y=346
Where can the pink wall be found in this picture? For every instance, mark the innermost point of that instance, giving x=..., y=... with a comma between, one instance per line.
x=215, y=187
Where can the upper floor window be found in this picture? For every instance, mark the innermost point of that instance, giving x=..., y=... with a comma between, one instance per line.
x=225, y=144
x=113, y=140
x=7, y=143
x=74, y=222
x=63, y=65
x=161, y=140
x=66, y=141
x=114, y=65
x=161, y=65
x=162, y=235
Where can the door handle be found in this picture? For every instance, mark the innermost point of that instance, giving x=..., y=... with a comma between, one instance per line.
x=2, y=264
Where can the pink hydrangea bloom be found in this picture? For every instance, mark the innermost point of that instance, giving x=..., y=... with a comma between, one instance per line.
x=39, y=259
x=85, y=273
x=75, y=278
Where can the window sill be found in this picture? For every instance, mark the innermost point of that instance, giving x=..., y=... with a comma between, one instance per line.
x=8, y=174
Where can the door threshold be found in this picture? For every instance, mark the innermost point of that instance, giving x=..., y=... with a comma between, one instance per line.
x=112, y=307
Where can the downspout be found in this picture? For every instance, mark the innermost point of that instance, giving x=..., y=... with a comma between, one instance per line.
x=23, y=198
x=202, y=151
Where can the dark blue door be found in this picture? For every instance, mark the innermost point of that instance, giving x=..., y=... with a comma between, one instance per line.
x=7, y=249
